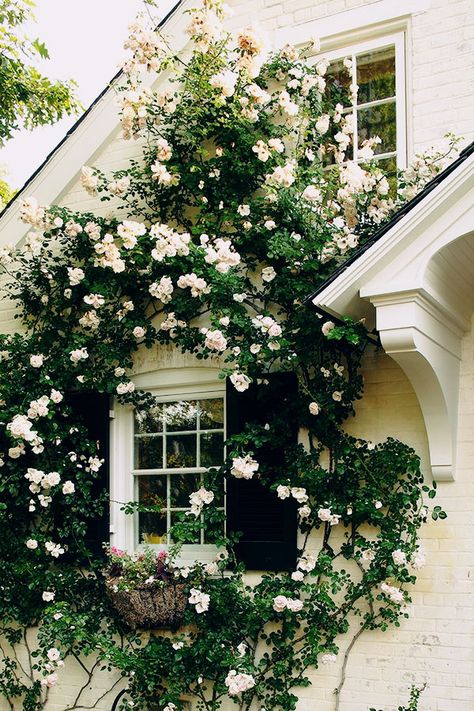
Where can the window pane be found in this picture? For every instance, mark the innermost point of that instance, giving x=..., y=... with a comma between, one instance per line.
x=150, y=420
x=338, y=82
x=212, y=449
x=181, y=486
x=192, y=537
x=378, y=121
x=152, y=492
x=152, y=528
x=181, y=415
x=211, y=414
x=180, y=451
x=376, y=75
x=149, y=452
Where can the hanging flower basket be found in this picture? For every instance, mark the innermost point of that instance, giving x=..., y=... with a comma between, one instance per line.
x=156, y=606
x=145, y=589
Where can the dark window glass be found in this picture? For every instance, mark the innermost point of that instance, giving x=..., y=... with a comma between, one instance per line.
x=152, y=525
x=212, y=449
x=211, y=413
x=181, y=486
x=149, y=452
x=378, y=121
x=180, y=451
x=376, y=75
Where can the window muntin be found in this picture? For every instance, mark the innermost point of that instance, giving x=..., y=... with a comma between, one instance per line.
x=175, y=442
x=379, y=107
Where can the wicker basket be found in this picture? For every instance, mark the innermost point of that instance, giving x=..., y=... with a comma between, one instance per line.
x=149, y=607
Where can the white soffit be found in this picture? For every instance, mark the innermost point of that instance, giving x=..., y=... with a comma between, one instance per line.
x=417, y=280
x=83, y=141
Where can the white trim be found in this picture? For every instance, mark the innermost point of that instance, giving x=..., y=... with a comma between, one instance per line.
x=80, y=146
x=399, y=242
x=353, y=25
x=122, y=481
x=420, y=321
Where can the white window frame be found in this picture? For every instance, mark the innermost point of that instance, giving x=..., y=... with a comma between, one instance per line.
x=123, y=529
x=398, y=40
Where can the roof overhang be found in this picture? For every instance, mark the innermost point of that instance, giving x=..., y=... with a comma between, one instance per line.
x=82, y=143
x=415, y=284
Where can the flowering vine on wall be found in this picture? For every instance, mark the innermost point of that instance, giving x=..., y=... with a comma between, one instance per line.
x=243, y=200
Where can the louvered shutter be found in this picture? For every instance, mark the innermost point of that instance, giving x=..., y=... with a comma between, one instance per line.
x=93, y=410
x=268, y=524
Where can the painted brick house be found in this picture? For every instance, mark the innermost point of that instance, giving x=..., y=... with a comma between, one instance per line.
x=412, y=282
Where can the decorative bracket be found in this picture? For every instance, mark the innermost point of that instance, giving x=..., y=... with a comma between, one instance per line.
x=425, y=340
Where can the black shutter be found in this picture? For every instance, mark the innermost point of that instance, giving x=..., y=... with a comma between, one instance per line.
x=267, y=523
x=93, y=411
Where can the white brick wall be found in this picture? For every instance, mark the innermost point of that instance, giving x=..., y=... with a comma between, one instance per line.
x=437, y=644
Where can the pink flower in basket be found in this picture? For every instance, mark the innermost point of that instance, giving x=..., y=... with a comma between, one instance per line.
x=116, y=551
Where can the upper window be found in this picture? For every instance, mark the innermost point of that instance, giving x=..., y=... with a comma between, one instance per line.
x=378, y=109
x=174, y=444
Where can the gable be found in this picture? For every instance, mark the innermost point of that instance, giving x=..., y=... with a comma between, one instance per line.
x=413, y=283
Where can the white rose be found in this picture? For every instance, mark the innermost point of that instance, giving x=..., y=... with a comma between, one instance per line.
x=50, y=680
x=399, y=557
x=418, y=559
x=244, y=467
x=32, y=544
x=53, y=654
x=200, y=600
x=36, y=361
x=314, y=408
x=295, y=605
x=304, y=512
x=328, y=327
x=68, y=487
x=240, y=381
x=328, y=658
x=280, y=603
x=215, y=340
x=311, y=194
x=75, y=275
x=299, y=493
x=283, y=492
x=322, y=124
x=124, y=388
x=48, y=596
x=268, y=274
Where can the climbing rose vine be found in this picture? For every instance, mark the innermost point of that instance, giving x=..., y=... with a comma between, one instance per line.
x=243, y=199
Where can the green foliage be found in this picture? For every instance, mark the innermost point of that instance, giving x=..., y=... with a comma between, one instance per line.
x=6, y=193
x=29, y=99
x=216, y=241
